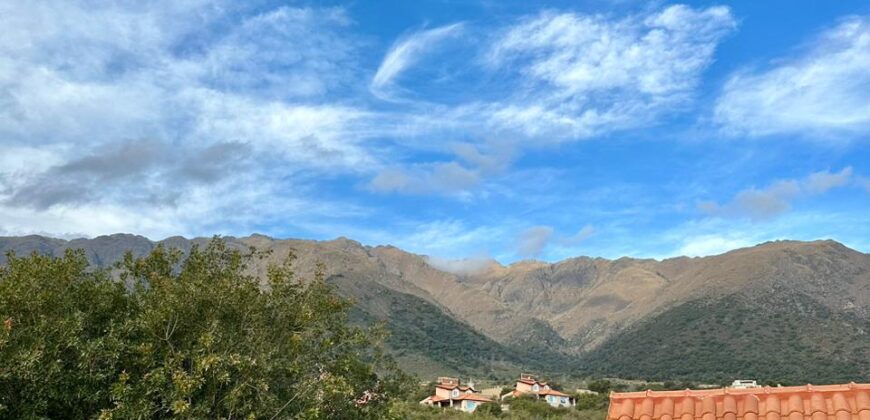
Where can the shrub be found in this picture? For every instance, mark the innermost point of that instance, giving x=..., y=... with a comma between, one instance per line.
x=193, y=338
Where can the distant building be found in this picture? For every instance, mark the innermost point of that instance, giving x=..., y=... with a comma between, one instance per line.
x=809, y=402
x=529, y=385
x=449, y=392
x=744, y=383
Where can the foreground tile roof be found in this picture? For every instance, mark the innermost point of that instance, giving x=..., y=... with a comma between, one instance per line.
x=809, y=402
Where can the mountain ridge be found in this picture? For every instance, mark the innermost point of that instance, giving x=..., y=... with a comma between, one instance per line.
x=571, y=308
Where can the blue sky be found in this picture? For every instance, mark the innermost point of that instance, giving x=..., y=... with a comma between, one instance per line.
x=474, y=129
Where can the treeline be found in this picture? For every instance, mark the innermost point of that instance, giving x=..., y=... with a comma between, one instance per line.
x=790, y=341
x=198, y=337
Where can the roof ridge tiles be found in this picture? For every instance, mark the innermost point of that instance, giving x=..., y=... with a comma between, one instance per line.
x=745, y=391
x=804, y=402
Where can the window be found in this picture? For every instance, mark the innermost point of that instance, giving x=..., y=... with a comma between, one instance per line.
x=564, y=400
x=455, y=392
x=536, y=388
x=471, y=405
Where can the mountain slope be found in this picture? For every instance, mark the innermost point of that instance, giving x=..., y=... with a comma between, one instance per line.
x=586, y=300
x=782, y=310
x=740, y=337
x=427, y=341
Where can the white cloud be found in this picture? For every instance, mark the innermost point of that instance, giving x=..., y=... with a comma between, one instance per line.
x=195, y=80
x=776, y=198
x=457, y=177
x=587, y=74
x=444, y=178
x=461, y=267
x=316, y=136
x=404, y=53
x=821, y=182
x=533, y=240
x=449, y=238
x=704, y=245
x=824, y=91
x=583, y=234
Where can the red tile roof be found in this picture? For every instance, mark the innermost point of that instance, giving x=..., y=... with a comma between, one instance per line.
x=470, y=397
x=531, y=382
x=810, y=402
x=552, y=392
x=527, y=381
x=461, y=387
x=516, y=393
x=473, y=397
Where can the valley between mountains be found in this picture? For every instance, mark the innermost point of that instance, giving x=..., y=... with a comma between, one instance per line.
x=783, y=311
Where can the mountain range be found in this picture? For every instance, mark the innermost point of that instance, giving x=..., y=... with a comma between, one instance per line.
x=784, y=311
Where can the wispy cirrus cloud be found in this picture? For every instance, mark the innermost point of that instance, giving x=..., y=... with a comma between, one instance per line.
x=589, y=74
x=141, y=110
x=214, y=116
x=571, y=76
x=823, y=91
x=404, y=53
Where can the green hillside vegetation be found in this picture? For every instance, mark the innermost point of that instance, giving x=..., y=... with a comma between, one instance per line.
x=419, y=329
x=737, y=337
x=196, y=338
x=524, y=408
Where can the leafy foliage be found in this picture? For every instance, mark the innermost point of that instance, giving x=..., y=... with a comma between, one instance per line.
x=488, y=410
x=793, y=340
x=592, y=401
x=529, y=407
x=525, y=408
x=601, y=386
x=192, y=338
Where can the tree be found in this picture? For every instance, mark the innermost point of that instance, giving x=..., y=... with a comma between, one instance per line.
x=591, y=401
x=63, y=338
x=194, y=337
x=601, y=386
x=492, y=409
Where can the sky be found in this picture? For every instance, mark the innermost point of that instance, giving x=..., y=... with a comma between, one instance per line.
x=457, y=129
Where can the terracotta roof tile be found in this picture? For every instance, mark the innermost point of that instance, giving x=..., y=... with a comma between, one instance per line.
x=552, y=392
x=470, y=397
x=473, y=397
x=462, y=388
x=820, y=402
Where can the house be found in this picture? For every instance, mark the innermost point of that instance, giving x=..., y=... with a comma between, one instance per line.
x=529, y=385
x=449, y=392
x=809, y=402
x=744, y=383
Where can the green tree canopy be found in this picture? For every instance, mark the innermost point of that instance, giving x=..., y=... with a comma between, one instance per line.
x=194, y=337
